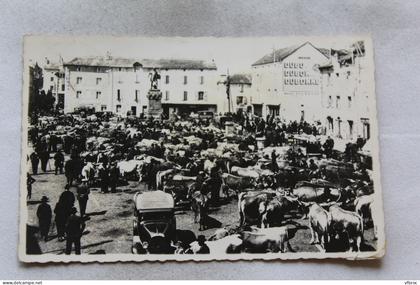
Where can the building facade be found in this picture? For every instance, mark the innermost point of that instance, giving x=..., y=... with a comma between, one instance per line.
x=120, y=85
x=347, y=98
x=240, y=92
x=54, y=82
x=286, y=83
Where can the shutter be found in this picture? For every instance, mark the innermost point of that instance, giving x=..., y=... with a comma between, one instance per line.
x=205, y=96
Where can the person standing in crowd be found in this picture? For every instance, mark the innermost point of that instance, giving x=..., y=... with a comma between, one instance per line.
x=59, y=162
x=62, y=211
x=34, y=162
x=104, y=177
x=83, y=196
x=204, y=249
x=114, y=173
x=44, y=215
x=274, y=165
x=74, y=231
x=29, y=182
x=328, y=146
x=44, y=157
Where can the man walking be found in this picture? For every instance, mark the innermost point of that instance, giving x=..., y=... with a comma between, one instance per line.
x=29, y=182
x=74, y=230
x=58, y=162
x=34, y=162
x=83, y=196
x=44, y=215
x=114, y=173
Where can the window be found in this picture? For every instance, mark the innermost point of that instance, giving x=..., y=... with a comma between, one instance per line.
x=98, y=94
x=349, y=101
x=78, y=93
x=119, y=69
x=103, y=107
x=337, y=74
x=200, y=95
x=185, y=95
x=239, y=100
x=242, y=88
x=78, y=68
x=118, y=108
x=136, y=95
x=201, y=79
x=118, y=95
x=98, y=80
x=185, y=79
x=62, y=87
x=78, y=80
x=166, y=95
x=52, y=79
x=51, y=88
x=337, y=102
x=329, y=101
x=98, y=69
x=167, y=79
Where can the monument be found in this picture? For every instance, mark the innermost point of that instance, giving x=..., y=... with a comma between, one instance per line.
x=154, y=96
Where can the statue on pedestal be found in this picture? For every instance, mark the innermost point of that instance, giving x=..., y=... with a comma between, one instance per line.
x=154, y=96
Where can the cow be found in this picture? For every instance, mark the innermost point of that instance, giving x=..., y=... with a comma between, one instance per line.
x=236, y=183
x=269, y=239
x=88, y=173
x=227, y=244
x=318, y=223
x=199, y=205
x=309, y=192
x=245, y=172
x=276, y=209
x=362, y=205
x=252, y=205
x=346, y=222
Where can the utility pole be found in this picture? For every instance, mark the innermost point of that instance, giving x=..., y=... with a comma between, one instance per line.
x=228, y=89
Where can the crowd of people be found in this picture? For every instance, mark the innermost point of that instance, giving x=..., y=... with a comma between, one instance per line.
x=88, y=150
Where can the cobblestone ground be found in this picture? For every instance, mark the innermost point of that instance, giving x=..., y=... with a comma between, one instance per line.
x=109, y=228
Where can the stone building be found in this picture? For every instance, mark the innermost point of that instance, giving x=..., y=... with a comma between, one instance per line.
x=120, y=85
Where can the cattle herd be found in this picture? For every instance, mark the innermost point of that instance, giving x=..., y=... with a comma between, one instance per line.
x=290, y=180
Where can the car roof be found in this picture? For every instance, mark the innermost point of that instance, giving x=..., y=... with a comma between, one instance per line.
x=154, y=200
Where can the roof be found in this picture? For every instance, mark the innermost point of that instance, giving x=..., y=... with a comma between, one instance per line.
x=145, y=63
x=154, y=200
x=52, y=65
x=241, y=78
x=281, y=54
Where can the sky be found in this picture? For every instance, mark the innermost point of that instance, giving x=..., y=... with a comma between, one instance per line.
x=230, y=54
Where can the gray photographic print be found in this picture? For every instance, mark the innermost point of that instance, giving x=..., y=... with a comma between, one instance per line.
x=171, y=148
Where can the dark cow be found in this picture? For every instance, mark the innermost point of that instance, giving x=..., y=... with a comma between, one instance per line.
x=276, y=209
x=236, y=183
x=252, y=205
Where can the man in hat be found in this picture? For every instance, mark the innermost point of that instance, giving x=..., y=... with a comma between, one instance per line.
x=83, y=196
x=34, y=162
x=204, y=249
x=114, y=173
x=44, y=215
x=59, y=162
x=29, y=181
x=74, y=230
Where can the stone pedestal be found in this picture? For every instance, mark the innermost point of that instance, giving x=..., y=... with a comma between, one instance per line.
x=154, y=108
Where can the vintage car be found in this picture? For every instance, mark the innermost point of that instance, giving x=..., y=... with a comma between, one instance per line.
x=154, y=224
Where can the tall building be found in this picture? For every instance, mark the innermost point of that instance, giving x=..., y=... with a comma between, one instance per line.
x=240, y=92
x=53, y=74
x=286, y=83
x=347, y=98
x=120, y=85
